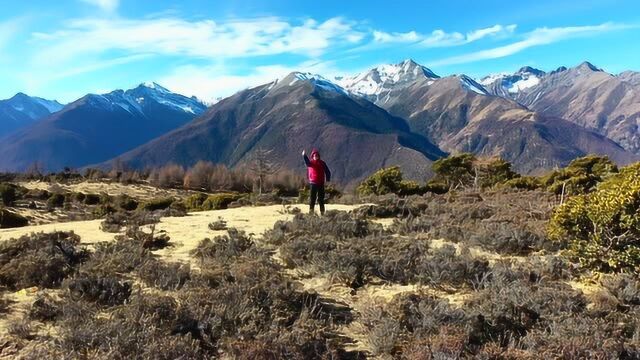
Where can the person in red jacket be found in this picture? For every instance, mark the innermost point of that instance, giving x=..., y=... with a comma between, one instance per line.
x=317, y=172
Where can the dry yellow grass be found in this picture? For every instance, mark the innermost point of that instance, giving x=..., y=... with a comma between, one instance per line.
x=136, y=190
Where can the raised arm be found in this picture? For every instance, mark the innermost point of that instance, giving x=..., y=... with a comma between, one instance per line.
x=306, y=159
x=327, y=172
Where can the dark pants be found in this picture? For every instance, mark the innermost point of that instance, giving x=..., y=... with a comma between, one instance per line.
x=316, y=191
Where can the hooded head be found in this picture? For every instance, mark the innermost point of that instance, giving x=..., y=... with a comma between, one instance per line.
x=315, y=154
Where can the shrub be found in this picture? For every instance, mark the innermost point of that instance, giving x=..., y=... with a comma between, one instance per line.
x=107, y=291
x=219, y=201
x=92, y=199
x=524, y=183
x=79, y=197
x=156, y=204
x=493, y=171
x=37, y=194
x=166, y=276
x=8, y=194
x=103, y=210
x=170, y=175
x=42, y=260
x=455, y=170
x=10, y=219
x=602, y=228
x=125, y=202
x=383, y=181
x=580, y=176
x=219, y=224
x=55, y=201
x=45, y=308
x=195, y=201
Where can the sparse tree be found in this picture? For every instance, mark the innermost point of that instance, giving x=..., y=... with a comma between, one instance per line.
x=262, y=165
x=35, y=169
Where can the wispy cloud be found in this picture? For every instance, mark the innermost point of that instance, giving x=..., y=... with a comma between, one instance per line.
x=537, y=37
x=441, y=38
x=202, y=39
x=9, y=29
x=105, y=5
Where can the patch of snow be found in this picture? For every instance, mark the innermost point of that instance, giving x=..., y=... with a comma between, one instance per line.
x=524, y=83
x=470, y=84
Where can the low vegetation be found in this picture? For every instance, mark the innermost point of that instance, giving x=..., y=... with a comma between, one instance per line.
x=479, y=262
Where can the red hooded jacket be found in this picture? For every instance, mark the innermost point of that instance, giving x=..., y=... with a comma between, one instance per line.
x=317, y=170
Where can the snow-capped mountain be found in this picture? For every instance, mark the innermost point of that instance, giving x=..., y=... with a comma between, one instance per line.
x=312, y=79
x=22, y=110
x=377, y=82
x=148, y=95
x=509, y=85
x=96, y=128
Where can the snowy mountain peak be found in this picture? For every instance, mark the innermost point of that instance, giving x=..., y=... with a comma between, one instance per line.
x=154, y=86
x=379, y=80
x=504, y=84
x=145, y=94
x=313, y=79
x=530, y=71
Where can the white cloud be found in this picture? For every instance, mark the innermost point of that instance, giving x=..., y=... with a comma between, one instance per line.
x=202, y=39
x=441, y=38
x=537, y=37
x=105, y=5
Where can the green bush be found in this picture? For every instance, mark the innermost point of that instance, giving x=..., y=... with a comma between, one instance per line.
x=383, y=181
x=219, y=201
x=436, y=187
x=524, y=183
x=491, y=172
x=55, y=201
x=195, y=201
x=126, y=202
x=156, y=204
x=8, y=194
x=10, y=219
x=580, y=176
x=455, y=170
x=602, y=228
x=103, y=210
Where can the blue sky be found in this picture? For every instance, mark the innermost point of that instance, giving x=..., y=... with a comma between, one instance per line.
x=65, y=49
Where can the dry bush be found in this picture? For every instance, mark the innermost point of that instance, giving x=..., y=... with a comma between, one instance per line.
x=220, y=224
x=45, y=308
x=106, y=291
x=166, y=276
x=168, y=176
x=503, y=222
x=353, y=250
x=224, y=247
x=42, y=260
x=9, y=219
x=121, y=256
x=334, y=223
x=197, y=177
